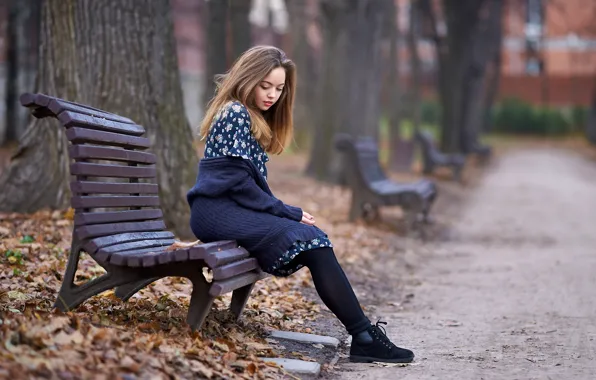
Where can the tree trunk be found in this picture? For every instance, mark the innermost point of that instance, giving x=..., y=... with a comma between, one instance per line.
x=399, y=157
x=454, y=56
x=216, y=37
x=591, y=122
x=363, y=57
x=21, y=63
x=302, y=56
x=331, y=95
x=494, y=79
x=115, y=55
x=485, y=42
x=414, y=66
x=371, y=66
x=241, y=29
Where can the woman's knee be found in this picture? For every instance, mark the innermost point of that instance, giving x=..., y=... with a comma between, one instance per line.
x=317, y=256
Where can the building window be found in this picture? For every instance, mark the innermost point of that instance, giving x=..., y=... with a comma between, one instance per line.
x=534, y=31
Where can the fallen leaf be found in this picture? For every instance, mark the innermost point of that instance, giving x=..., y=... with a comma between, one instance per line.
x=63, y=338
x=16, y=295
x=221, y=346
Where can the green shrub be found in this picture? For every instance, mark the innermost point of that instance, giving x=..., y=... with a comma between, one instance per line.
x=515, y=116
x=430, y=112
x=579, y=117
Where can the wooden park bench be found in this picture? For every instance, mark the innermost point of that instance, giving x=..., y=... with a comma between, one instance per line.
x=372, y=189
x=118, y=220
x=433, y=158
x=482, y=152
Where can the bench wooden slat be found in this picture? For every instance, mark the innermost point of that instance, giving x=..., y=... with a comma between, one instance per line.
x=79, y=202
x=157, y=244
x=105, y=256
x=74, y=119
x=142, y=259
x=216, y=248
x=88, y=187
x=58, y=106
x=81, y=136
x=222, y=287
x=29, y=100
x=135, y=255
x=96, y=230
x=111, y=154
x=90, y=218
x=106, y=241
x=235, y=268
x=221, y=258
x=116, y=171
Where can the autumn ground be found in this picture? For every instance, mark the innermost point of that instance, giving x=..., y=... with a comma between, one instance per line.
x=509, y=294
x=400, y=278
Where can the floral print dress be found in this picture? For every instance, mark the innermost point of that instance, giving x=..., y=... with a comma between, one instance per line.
x=230, y=135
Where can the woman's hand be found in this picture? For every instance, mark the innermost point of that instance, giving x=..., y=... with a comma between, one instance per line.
x=307, y=219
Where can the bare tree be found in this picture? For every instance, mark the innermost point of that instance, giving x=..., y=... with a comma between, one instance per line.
x=240, y=26
x=591, y=122
x=332, y=87
x=486, y=42
x=217, y=38
x=302, y=55
x=115, y=55
x=22, y=41
x=454, y=56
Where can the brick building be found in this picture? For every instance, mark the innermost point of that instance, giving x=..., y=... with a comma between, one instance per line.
x=549, y=51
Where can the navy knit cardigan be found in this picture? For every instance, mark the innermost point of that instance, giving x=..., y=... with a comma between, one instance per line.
x=231, y=200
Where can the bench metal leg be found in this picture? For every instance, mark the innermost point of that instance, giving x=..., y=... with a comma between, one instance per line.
x=427, y=167
x=239, y=298
x=200, y=301
x=71, y=295
x=457, y=173
x=124, y=292
x=356, y=210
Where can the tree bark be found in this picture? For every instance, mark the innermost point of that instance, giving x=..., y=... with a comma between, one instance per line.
x=414, y=65
x=216, y=37
x=591, y=122
x=240, y=26
x=485, y=42
x=302, y=56
x=332, y=90
x=364, y=24
x=351, y=81
x=21, y=63
x=115, y=55
x=398, y=154
x=462, y=19
x=494, y=80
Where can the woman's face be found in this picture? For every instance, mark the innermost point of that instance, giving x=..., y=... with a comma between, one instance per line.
x=267, y=92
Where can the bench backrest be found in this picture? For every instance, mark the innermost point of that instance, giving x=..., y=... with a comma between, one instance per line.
x=362, y=160
x=114, y=191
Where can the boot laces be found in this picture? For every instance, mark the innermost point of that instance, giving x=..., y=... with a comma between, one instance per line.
x=381, y=334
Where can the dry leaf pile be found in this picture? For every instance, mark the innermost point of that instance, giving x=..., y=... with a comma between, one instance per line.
x=147, y=337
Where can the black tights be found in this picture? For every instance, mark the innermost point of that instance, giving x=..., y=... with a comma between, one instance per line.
x=333, y=287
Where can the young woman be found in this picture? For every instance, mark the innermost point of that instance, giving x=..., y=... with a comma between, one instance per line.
x=249, y=117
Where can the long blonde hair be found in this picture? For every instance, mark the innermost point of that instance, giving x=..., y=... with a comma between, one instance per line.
x=272, y=128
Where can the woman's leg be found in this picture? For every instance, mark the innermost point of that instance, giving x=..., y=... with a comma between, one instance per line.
x=369, y=342
x=333, y=287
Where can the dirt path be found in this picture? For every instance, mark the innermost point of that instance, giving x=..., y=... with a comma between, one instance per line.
x=513, y=294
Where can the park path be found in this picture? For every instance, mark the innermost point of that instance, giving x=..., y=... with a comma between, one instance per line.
x=512, y=295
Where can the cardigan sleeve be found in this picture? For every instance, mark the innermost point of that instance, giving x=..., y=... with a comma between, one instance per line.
x=248, y=194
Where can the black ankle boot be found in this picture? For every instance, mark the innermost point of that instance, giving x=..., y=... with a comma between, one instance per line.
x=373, y=345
